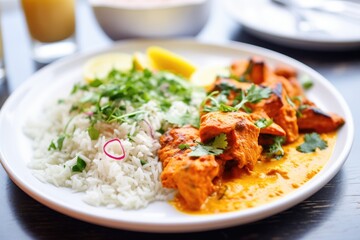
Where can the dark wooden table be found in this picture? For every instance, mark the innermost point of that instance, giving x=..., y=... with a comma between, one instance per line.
x=332, y=213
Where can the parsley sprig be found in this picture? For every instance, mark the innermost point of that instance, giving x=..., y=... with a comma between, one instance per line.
x=215, y=147
x=312, y=141
x=59, y=143
x=263, y=122
x=275, y=150
x=216, y=100
x=79, y=166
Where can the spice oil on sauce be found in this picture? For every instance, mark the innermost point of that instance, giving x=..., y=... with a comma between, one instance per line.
x=267, y=182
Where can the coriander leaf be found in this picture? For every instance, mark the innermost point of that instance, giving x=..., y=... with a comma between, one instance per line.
x=93, y=133
x=263, y=122
x=216, y=101
x=306, y=82
x=143, y=162
x=74, y=89
x=80, y=165
x=214, y=104
x=226, y=108
x=60, y=142
x=52, y=146
x=216, y=147
x=95, y=83
x=202, y=150
x=220, y=141
x=307, y=85
x=253, y=95
x=312, y=142
x=275, y=150
x=184, y=146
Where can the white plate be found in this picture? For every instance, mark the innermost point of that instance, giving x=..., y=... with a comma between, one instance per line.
x=56, y=79
x=277, y=24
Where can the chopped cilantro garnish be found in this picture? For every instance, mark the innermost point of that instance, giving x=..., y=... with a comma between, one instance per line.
x=263, y=122
x=220, y=141
x=58, y=145
x=52, y=146
x=312, y=141
x=214, y=148
x=275, y=150
x=104, y=97
x=60, y=142
x=202, y=150
x=93, y=133
x=95, y=83
x=79, y=166
x=306, y=82
x=217, y=100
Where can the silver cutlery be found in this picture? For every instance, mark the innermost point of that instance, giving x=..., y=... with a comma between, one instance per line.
x=302, y=24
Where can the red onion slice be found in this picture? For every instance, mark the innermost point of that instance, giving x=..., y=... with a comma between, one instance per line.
x=122, y=156
x=150, y=128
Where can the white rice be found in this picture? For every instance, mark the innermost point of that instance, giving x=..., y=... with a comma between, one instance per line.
x=105, y=182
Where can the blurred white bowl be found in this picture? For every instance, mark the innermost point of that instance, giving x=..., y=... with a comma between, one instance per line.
x=121, y=19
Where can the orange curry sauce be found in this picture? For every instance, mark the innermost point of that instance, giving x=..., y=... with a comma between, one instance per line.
x=268, y=181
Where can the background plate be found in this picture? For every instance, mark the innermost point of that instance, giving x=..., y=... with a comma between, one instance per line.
x=274, y=23
x=57, y=79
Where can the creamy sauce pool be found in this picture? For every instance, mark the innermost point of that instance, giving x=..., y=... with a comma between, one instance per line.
x=269, y=180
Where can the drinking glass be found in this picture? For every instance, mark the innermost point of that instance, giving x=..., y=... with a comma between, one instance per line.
x=51, y=25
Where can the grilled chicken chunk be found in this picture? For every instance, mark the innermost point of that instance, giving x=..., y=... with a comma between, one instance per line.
x=313, y=119
x=192, y=176
x=242, y=136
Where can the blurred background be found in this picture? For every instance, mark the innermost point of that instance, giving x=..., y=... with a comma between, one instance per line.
x=267, y=21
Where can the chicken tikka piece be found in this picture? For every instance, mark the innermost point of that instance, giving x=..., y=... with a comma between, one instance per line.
x=192, y=176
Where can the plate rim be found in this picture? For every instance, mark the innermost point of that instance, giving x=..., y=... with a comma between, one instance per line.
x=206, y=222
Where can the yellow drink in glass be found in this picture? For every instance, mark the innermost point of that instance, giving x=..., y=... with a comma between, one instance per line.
x=51, y=25
x=50, y=20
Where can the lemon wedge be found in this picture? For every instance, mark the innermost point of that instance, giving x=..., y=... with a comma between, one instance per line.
x=141, y=61
x=100, y=66
x=206, y=76
x=163, y=59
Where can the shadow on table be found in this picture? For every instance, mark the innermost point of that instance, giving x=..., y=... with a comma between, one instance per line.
x=41, y=222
